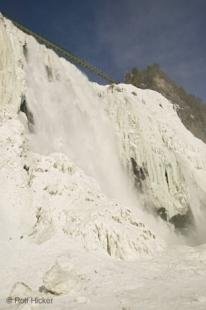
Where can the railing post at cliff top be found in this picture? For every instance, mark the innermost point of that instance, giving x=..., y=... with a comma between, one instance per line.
x=63, y=52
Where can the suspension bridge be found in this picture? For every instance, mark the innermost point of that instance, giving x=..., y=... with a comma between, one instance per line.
x=62, y=52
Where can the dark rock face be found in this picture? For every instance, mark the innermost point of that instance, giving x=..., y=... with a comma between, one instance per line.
x=25, y=51
x=166, y=177
x=162, y=212
x=24, y=108
x=191, y=109
x=140, y=174
x=181, y=222
x=49, y=73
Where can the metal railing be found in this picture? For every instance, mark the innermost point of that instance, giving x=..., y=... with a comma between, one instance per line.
x=62, y=52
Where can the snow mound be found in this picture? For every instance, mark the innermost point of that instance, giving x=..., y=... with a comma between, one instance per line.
x=68, y=201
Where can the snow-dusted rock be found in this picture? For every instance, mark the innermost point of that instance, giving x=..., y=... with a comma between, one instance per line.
x=62, y=278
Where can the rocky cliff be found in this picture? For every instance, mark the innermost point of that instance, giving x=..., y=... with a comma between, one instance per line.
x=191, y=110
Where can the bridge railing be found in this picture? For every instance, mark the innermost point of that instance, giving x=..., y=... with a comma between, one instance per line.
x=62, y=52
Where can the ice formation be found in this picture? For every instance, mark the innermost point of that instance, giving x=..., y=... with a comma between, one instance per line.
x=79, y=165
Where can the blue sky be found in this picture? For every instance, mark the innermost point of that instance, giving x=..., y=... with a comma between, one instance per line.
x=117, y=35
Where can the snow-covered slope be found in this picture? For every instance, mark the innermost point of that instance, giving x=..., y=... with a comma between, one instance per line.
x=79, y=164
x=169, y=163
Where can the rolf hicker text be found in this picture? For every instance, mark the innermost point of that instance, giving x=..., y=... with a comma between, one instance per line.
x=29, y=300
